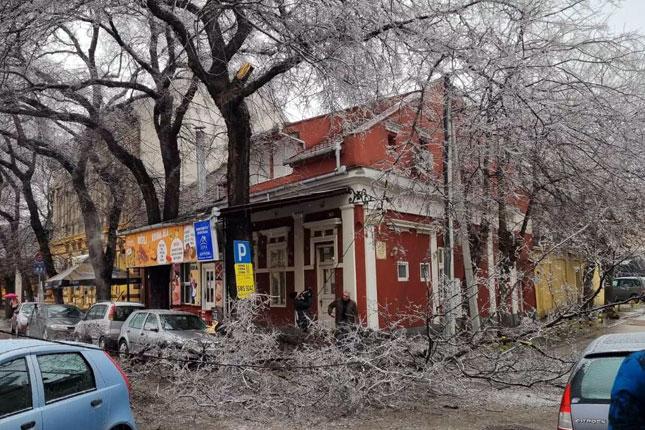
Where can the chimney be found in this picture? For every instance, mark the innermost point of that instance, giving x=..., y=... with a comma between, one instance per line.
x=200, y=156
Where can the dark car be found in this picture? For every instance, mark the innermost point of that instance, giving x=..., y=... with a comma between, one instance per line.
x=625, y=288
x=587, y=396
x=54, y=321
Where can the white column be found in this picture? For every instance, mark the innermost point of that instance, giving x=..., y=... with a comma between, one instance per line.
x=434, y=267
x=299, y=253
x=348, y=250
x=370, y=276
x=492, y=296
x=515, y=294
x=18, y=284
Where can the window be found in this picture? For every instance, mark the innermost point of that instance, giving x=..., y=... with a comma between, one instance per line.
x=63, y=311
x=440, y=264
x=593, y=381
x=123, y=312
x=137, y=320
x=151, y=323
x=402, y=271
x=182, y=322
x=15, y=389
x=97, y=312
x=189, y=283
x=424, y=271
x=277, y=262
x=65, y=375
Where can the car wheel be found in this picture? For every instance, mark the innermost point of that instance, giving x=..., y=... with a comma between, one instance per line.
x=123, y=349
x=102, y=343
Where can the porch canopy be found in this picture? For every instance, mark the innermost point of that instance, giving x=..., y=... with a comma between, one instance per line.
x=83, y=274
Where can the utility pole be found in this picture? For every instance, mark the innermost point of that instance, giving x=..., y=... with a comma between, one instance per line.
x=450, y=308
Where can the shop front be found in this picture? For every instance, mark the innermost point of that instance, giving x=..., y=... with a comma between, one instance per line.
x=177, y=274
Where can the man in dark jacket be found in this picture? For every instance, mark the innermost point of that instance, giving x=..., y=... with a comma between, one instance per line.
x=303, y=302
x=627, y=409
x=346, y=312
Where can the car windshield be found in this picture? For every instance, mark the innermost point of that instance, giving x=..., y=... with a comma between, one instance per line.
x=593, y=381
x=123, y=312
x=62, y=311
x=182, y=322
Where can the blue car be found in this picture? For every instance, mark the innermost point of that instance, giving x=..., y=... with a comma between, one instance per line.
x=51, y=386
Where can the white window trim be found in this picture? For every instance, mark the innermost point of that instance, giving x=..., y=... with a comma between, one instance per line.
x=314, y=226
x=407, y=271
x=270, y=270
x=421, y=277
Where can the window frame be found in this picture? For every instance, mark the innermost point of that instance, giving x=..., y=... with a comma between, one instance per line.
x=69, y=396
x=428, y=276
x=25, y=360
x=279, y=301
x=402, y=263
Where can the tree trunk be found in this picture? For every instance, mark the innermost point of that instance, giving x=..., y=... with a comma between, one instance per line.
x=172, y=174
x=42, y=237
x=94, y=235
x=238, y=224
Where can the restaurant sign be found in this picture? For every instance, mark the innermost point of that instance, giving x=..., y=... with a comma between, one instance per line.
x=166, y=245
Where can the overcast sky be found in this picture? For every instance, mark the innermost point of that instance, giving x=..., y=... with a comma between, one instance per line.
x=630, y=16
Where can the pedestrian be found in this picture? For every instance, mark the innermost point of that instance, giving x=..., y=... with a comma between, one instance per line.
x=302, y=303
x=627, y=407
x=14, y=305
x=346, y=316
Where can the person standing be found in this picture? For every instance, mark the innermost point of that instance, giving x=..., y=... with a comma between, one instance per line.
x=346, y=316
x=627, y=407
x=303, y=302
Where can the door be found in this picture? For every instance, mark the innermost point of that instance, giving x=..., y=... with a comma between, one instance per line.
x=18, y=396
x=150, y=337
x=72, y=398
x=97, y=313
x=326, y=272
x=208, y=286
x=133, y=331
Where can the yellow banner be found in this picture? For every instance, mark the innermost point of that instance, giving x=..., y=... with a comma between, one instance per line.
x=244, y=280
x=167, y=245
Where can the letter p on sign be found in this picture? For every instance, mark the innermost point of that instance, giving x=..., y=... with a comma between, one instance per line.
x=241, y=251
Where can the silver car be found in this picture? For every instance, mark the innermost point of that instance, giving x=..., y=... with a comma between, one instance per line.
x=50, y=321
x=586, y=398
x=102, y=323
x=20, y=319
x=152, y=328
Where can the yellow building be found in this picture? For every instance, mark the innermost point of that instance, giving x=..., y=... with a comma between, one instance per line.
x=559, y=284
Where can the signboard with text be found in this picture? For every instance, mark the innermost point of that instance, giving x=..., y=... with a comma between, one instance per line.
x=167, y=245
x=244, y=279
x=206, y=241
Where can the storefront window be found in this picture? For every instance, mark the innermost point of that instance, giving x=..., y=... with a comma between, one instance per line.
x=190, y=284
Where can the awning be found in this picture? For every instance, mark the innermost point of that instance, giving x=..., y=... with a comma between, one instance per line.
x=83, y=274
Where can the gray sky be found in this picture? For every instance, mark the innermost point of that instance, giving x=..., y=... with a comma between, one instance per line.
x=630, y=16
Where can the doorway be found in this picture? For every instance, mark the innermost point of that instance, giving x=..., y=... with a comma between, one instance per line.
x=208, y=286
x=326, y=273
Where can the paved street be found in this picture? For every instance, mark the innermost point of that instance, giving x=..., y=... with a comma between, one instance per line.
x=519, y=409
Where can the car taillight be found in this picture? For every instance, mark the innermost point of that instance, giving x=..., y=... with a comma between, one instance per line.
x=564, y=418
x=118, y=367
x=112, y=312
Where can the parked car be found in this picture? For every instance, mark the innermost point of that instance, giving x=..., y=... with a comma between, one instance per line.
x=51, y=386
x=102, y=323
x=51, y=321
x=586, y=398
x=20, y=318
x=163, y=328
x=624, y=288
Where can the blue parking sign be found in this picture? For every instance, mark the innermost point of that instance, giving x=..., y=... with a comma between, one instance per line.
x=242, y=251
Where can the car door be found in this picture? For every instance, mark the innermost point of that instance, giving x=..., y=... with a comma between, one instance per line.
x=72, y=395
x=82, y=328
x=150, y=335
x=134, y=331
x=18, y=396
x=98, y=314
